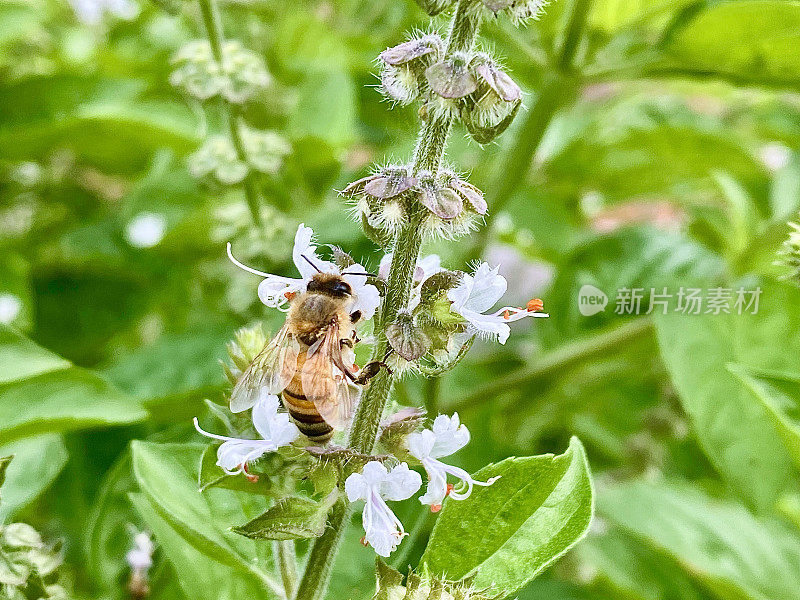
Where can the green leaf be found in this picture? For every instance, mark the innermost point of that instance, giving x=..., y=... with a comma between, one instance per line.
x=41, y=392
x=732, y=427
x=199, y=576
x=779, y=394
x=4, y=462
x=37, y=462
x=721, y=544
x=751, y=39
x=510, y=531
x=167, y=474
x=288, y=519
x=326, y=110
x=633, y=570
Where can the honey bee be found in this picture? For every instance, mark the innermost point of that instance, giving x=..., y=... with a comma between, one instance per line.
x=311, y=361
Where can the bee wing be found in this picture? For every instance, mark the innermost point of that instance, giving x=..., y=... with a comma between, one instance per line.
x=272, y=370
x=324, y=383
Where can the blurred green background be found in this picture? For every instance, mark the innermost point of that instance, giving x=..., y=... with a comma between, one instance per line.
x=660, y=154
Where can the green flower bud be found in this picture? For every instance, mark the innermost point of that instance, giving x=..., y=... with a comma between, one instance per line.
x=405, y=338
x=789, y=254
x=404, y=65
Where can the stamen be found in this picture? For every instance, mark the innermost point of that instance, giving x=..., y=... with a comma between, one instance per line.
x=535, y=305
x=435, y=508
x=244, y=266
x=363, y=541
x=250, y=476
x=506, y=314
x=450, y=487
x=290, y=295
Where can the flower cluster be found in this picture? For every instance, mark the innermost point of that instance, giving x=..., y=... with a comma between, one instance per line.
x=375, y=484
x=386, y=199
x=217, y=156
x=239, y=76
x=470, y=86
x=518, y=10
x=28, y=565
x=789, y=254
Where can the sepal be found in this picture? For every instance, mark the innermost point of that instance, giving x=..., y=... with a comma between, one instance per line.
x=405, y=338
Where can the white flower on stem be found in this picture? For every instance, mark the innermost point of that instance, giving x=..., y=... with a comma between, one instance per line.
x=275, y=429
x=382, y=529
x=275, y=291
x=426, y=266
x=446, y=437
x=478, y=293
x=140, y=556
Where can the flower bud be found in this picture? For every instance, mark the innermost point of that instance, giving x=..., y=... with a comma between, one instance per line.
x=405, y=338
x=434, y=7
x=240, y=75
x=248, y=342
x=495, y=103
x=265, y=149
x=519, y=10
x=404, y=66
x=789, y=254
x=450, y=82
x=217, y=157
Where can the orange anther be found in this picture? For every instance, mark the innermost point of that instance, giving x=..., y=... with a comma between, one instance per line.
x=250, y=477
x=506, y=315
x=290, y=295
x=363, y=541
x=450, y=487
x=535, y=305
x=435, y=508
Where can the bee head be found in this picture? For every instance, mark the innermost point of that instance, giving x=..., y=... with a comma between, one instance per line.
x=330, y=284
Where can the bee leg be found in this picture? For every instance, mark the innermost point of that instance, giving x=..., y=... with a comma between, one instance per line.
x=370, y=370
x=355, y=316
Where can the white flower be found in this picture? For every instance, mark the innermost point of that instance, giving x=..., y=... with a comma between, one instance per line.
x=446, y=437
x=140, y=557
x=146, y=230
x=427, y=266
x=775, y=156
x=275, y=429
x=383, y=530
x=477, y=293
x=10, y=307
x=90, y=12
x=275, y=290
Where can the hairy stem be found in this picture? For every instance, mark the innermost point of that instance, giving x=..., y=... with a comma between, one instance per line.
x=230, y=112
x=428, y=155
x=286, y=560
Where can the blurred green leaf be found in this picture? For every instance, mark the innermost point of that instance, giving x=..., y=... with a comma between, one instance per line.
x=37, y=462
x=748, y=39
x=721, y=544
x=198, y=575
x=167, y=474
x=731, y=426
x=779, y=394
x=326, y=109
x=40, y=392
x=510, y=531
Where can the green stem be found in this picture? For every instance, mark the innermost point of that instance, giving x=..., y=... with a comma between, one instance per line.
x=319, y=566
x=427, y=156
x=286, y=560
x=559, y=359
x=230, y=112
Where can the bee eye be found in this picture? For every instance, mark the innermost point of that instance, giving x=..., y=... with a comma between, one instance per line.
x=342, y=287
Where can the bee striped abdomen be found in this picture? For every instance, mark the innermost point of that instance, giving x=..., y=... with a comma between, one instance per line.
x=304, y=413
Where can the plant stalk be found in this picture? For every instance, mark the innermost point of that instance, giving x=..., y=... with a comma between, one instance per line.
x=428, y=155
x=230, y=112
x=286, y=560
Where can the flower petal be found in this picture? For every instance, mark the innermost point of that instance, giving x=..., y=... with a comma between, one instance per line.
x=304, y=249
x=450, y=436
x=356, y=488
x=488, y=287
x=400, y=483
x=271, y=425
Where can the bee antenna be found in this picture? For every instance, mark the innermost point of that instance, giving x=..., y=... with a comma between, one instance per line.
x=364, y=273
x=308, y=260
